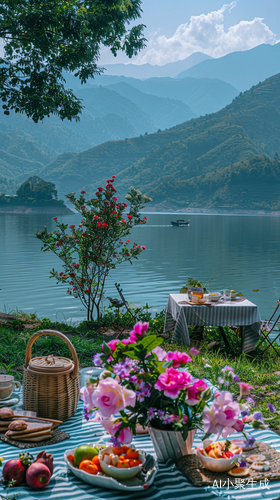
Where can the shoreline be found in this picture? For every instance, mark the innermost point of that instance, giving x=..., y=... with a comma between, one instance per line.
x=22, y=209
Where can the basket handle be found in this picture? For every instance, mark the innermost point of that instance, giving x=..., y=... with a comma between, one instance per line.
x=60, y=335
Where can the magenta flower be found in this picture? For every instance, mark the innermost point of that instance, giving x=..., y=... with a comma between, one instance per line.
x=112, y=344
x=194, y=392
x=194, y=352
x=178, y=358
x=139, y=330
x=172, y=382
x=244, y=389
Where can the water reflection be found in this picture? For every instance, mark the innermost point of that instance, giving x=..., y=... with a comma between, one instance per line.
x=239, y=252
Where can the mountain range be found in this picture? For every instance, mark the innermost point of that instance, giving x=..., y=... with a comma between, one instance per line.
x=150, y=71
x=208, y=155
x=240, y=69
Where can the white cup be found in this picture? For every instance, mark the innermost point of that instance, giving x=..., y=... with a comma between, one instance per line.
x=227, y=295
x=8, y=386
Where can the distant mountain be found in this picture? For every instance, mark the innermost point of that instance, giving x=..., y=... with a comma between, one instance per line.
x=240, y=69
x=149, y=70
x=174, y=167
x=165, y=112
x=203, y=95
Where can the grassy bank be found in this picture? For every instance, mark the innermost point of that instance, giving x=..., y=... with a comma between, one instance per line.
x=261, y=369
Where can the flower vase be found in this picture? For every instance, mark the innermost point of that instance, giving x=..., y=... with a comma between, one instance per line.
x=170, y=444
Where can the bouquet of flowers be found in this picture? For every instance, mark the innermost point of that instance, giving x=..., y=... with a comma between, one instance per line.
x=143, y=384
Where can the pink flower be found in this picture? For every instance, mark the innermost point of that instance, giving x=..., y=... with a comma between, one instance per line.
x=115, y=198
x=112, y=426
x=111, y=398
x=128, y=341
x=172, y=382
x=194, y=392
x=194, y=352
x=185, y=419
x=222, y=415
x=71, y=227
x=112, y=344
x=173, y=418
x=178, y=358
x=244, y=389
x=160, y=353
x=239, y=426
x=216, y=394
x=143, y=248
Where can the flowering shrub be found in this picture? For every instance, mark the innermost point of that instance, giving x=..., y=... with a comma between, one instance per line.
x=145, y=384
x=92, y=249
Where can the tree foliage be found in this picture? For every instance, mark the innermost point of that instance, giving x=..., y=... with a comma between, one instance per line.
x=37, y=189
x=41, y=39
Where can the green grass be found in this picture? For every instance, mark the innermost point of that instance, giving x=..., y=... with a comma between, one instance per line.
x=261, y=370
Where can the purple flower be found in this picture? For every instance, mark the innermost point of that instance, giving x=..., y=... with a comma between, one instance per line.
x=251, y=401
x=86, y=413
x=244, y=413
x=226, y=382
x=258, y=416
x=227, y=369
x=271, y=408
x=236, y=378
x=221, y=380
x=242, y=463
x=160, y=414
x=151, y=413
x=97, y=361
x=249, y=442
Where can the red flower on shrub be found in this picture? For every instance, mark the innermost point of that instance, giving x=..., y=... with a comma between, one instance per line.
x=115, y=198
x=104, y=224
x=71, y=227
x=100, y=188
x=54, y=218
x=72, y=275
x=83, y=192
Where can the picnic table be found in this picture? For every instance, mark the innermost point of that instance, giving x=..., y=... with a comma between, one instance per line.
x=242, y=313
x=169, y=481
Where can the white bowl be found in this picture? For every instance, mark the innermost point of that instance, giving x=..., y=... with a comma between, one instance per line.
x=214, y=296
x=217, y=464
x=116, y=473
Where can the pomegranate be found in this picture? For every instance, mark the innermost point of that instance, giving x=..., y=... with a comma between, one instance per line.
x=46, y=459
x=38, y=476
x=14, y=470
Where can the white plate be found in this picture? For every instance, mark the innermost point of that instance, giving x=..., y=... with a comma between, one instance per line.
x=134, y=484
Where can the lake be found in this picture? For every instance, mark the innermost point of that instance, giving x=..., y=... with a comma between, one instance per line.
x=236, y=251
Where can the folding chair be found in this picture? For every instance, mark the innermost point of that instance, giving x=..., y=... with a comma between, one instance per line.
x=269, y=326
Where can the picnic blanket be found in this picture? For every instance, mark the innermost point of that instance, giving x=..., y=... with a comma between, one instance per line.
x=169, y=482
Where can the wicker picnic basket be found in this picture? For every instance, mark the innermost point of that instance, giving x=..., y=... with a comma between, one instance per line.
x=51, y=384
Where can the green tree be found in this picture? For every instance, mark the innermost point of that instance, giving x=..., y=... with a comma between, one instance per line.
x=90, y=251
x=41, y=39
x=37, y=189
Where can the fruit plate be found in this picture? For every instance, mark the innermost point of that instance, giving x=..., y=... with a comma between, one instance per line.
x=137, y=483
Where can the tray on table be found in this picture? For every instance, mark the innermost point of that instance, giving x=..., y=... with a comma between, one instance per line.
x=190, y=466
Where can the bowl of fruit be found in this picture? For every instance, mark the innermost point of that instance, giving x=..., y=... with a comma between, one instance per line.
x=214, y=296
x=219, y=456
x=121, y=462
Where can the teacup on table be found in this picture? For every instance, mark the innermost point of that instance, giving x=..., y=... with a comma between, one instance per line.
x=8, y=386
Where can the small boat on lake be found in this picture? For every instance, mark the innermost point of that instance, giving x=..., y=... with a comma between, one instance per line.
x=180, y=222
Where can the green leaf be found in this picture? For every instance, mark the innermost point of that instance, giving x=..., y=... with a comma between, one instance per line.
x=150, y=342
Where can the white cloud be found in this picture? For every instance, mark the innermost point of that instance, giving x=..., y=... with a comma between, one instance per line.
x=206, y=33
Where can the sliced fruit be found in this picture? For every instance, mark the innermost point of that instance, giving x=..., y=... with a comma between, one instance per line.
x=71, y=459
x=239, y=471
x=203, y=452
x=255, y=458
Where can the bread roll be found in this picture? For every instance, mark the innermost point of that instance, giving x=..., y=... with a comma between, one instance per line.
x=6, y=413
x=17, y=425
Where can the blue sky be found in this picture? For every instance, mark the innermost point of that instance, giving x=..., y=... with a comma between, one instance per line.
x=177, y=28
